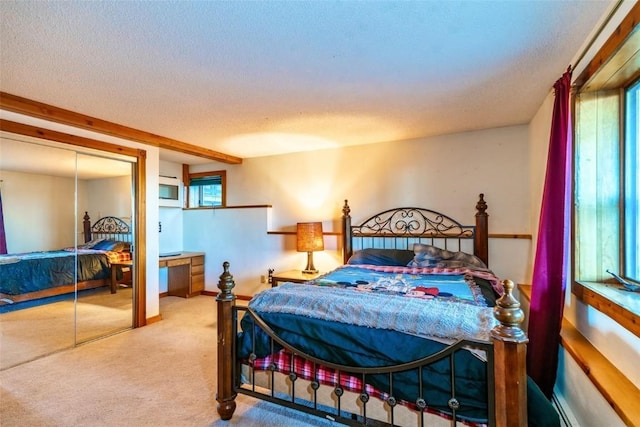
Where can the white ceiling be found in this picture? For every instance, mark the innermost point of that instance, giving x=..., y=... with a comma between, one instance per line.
x=261, y=78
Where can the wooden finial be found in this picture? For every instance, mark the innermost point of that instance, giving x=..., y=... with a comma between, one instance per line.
x=481, y=206
x=226, y=283
x=346, y=210
x=508, y=312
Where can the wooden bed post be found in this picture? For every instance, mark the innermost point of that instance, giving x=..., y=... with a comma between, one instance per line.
x=347, y=249
x=510, y=353
x=86, y=226
x=225, y=302
x=481, y=241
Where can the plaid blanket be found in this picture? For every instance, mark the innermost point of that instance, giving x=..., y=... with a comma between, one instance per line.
x=283, y=363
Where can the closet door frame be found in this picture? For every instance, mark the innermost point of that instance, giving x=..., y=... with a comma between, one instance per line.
x=139, y=185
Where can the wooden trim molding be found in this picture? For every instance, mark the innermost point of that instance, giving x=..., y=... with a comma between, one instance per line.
x=491, y=236
x=611, y=46
x=154, y=319
x=66, y=138
x=602, y=297
x=17, y=104
x=229, y=207
x=616, y=388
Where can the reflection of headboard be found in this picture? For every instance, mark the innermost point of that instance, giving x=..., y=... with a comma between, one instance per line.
x=108, y=227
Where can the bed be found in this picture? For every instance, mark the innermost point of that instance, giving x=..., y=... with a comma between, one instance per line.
x=35, y=275
x=414, y=329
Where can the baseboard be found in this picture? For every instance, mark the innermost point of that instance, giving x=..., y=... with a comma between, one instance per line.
x=567, y=419
x=154, y=319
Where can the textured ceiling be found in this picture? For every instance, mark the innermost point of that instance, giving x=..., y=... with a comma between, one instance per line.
x=261, y=78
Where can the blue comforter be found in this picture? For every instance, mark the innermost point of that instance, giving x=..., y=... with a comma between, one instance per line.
x=36, y=271
x=328, y=335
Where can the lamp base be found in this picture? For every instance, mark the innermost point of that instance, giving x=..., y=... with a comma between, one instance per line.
x=309, y=269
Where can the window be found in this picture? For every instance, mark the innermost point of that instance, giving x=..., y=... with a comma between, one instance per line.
x=606, y=234
x=606, y=184
x=632, y=184
x=207, y=189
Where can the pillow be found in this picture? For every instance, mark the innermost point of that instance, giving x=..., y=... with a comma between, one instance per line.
x=425, y=256
x=391, y=257
x=432, y=256
x=90, y=244
x=467, y=260
x=109, y=245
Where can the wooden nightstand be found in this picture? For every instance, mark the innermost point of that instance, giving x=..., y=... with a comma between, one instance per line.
x=295, y=276
x=114, y=273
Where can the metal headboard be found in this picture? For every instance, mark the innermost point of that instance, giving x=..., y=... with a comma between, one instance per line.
x=108, y=227
x=400, y=228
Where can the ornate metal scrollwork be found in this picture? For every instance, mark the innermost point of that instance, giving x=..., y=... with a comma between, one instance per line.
x=413, y=222
x=110, y=225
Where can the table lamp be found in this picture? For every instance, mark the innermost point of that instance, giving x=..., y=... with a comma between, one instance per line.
x=309, y=240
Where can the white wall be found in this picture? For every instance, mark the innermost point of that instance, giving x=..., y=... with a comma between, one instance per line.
x=109, y=197
x=39, y=211
x=171, y=236
x=445, y=173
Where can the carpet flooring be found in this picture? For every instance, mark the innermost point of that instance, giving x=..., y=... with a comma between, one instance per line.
x=163, y=374
x=42, y=329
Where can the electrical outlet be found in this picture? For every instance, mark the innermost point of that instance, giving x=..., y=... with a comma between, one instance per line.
x=263, y=279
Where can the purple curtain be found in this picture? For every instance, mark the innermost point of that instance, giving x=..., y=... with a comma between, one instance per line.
x=550, y=269
x=3, y=237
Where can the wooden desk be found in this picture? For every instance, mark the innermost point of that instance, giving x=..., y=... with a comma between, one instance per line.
x=114, y=273
x=295, y=276
x=186, y=273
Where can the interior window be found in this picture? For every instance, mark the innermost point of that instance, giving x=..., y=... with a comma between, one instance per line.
x=207, y=189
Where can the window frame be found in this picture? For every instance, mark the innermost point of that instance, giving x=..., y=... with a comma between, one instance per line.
x=223, y=178
x=605, y=72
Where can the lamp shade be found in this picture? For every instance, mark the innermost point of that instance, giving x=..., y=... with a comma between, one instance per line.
x=309, y=236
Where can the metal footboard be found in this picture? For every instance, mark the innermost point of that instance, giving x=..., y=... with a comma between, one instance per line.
x=302, y=391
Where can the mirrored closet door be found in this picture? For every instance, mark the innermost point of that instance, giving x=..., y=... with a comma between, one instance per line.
x=56, y=284
x=104, y=194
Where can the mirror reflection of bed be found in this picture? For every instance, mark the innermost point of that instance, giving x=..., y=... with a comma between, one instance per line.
x=39, y=207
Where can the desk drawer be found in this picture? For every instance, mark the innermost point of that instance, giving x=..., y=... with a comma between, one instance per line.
x=197, y=269
x=176, y=262
x=197, y=283
x=197, y=260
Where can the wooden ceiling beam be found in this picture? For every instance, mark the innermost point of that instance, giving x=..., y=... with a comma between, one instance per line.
x=17, y=104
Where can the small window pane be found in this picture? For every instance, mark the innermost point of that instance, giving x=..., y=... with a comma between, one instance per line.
x=206, y=191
